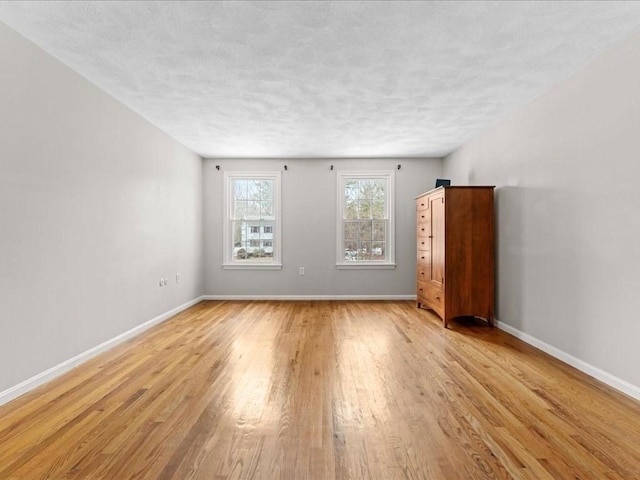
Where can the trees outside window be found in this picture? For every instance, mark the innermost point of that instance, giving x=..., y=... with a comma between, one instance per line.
x=365, y=213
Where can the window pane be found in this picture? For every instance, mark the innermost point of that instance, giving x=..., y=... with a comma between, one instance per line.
x=239, y=209
x=240, y=189
x=377, y=251
x=240, y=254
x=351, y=230
x=351, y=210
x=254, y=190
x=364, y=209
x=364, y=231
x=351, y=189
x=266, y=209
x=377, y=187
x=249, y=243
x=237, y=234
x=252, y=210
x=268, y=228
x=253, y=199
x=364, y=187
x=379, y=231
x=378, y=207
x=266, y=190
x=350, y=250
x=365, y=251
x=239, y=240
x=240, y=247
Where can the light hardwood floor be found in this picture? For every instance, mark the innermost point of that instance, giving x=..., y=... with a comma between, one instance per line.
x=321, y=390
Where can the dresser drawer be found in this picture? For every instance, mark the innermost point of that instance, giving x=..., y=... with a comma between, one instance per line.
x=423, y=243
x=421, y=273
x=432, y=296
x=423, y=224
x=424, y=257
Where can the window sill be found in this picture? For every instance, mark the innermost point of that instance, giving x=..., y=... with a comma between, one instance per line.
x=252, y=266
x=365, y=266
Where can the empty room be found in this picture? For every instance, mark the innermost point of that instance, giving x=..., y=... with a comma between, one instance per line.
x=320, y=240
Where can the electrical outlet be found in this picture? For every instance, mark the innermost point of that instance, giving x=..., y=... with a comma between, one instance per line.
x=301, y=270
x=178, y=277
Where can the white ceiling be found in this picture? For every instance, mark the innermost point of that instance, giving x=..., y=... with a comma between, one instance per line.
x=324, y=79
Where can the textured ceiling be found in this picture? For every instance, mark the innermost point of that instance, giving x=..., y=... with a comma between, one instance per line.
x=323, y=79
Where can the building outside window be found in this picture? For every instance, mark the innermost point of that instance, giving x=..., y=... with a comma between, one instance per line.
x=252, y=220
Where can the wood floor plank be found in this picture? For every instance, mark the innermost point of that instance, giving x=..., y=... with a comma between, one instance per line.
x=321, y=390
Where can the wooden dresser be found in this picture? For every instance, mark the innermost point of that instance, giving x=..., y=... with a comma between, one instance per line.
x=455, y=268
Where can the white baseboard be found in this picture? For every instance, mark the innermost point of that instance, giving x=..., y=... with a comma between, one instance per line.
x=309, y=297
x=595, y=372
x=57, y=370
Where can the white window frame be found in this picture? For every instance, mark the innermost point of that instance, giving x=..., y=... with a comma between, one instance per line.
x=228, y=262
x=389, y=177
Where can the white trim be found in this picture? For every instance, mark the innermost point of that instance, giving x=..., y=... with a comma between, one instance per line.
x=227, y=256
x=595, y=372
x=57, y=370
x=252, y=266
x=309, y=297
x=389, y=176
x=365, y=266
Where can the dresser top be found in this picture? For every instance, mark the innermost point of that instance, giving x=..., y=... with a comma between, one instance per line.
x=457, y=187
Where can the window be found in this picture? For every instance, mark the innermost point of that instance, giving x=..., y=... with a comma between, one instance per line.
x=365, y=220
x=252, y=206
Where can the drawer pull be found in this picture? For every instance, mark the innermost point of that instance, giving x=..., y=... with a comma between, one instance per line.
x=437, y=298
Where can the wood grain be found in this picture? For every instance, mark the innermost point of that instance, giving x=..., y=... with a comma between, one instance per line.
x=321, y=390
x=455, y=252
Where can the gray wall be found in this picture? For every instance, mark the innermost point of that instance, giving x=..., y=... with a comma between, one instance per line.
x=309, y=230
x=96, y=205
x=567, y=168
